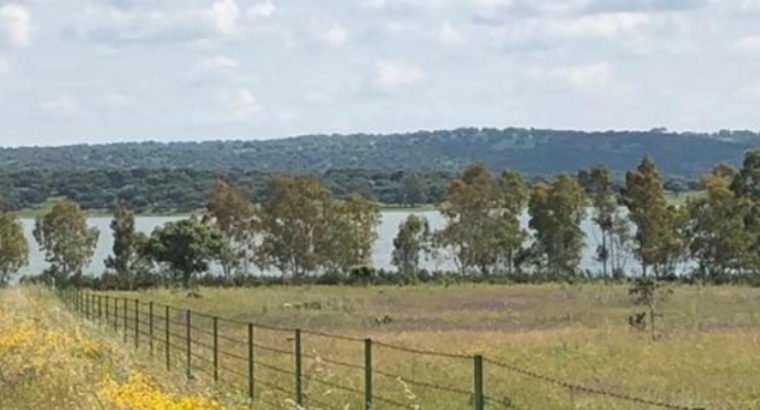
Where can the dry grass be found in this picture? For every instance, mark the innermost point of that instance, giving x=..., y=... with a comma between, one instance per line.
x=706, y=354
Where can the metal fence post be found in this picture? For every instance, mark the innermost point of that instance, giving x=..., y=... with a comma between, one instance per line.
x=216, y=349
x=150, y=327
x=250, y=362
x=100, y=308
x=87, y=305
x=189, y=341
x=137, y=323
x=299, y=390
x=478, y=378
x=107, y=299
x=166, y=347
x=126, y=325
x=116, y=315
x=368, y=374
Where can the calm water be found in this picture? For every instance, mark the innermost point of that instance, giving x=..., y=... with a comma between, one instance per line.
x=381, y=255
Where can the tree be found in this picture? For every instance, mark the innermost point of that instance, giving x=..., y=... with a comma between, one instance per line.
x=14, y=250
x=746, y=185
x=514, y=194
x=556, y=211
x=597, y=183
x=127, y=260
x=659, y=243
x=292, y=221
x=718, y=236
x=647, y=291
x=346, y=236
x=413, y=190
x=474, y=227
x=185, y=247
x=412, y=239
x=66, y=240
x=230, y=210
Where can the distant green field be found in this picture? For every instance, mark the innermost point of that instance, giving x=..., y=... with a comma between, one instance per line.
x=706, y=354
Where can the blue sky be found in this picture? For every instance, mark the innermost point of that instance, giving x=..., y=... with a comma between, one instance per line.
x=87, y=71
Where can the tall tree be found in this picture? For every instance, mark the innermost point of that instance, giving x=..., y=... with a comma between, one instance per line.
x=186, y=247
x=556, y=211
x=718, y=236
x=473, y=222
x=413, y=190
x=346, y=236
x=66, y=240
x=658, y=242
x=412, y=239
x=514, y=195
x=14, y=250
x=606, y=214
x=127, y=260
x=292, y=222
x=230, y=210
x=746, y=185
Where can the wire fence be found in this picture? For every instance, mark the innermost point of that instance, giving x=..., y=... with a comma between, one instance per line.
x=307, y=369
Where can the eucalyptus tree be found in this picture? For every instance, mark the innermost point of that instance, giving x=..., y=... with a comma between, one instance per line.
x=556, y=210
x=66, y=240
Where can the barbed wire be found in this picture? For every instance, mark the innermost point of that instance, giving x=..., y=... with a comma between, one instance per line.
x=589, y=390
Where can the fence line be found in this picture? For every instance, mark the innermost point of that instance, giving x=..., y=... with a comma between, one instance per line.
x=178, y=344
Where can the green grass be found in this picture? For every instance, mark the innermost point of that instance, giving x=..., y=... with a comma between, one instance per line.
x=706, y=353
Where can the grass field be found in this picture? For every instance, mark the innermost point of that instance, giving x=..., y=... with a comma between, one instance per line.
x=706, y=354
x=50, y=359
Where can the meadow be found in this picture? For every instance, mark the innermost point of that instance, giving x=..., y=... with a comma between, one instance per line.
x=545, y=346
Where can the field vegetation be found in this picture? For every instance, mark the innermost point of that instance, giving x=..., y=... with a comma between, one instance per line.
x=703, y=356
x=50, y=359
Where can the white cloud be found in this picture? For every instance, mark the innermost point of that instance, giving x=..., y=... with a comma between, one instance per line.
x=608, y=25
x=395, y=74
x=450, y=35
x=219, y=63
x=5, y=66
x=749, y=92
x=15, y=23
x=243, y=104
x=492, y=3
x=61, y=108
x=226, y=13
x=582, y=76
x=750, y=43
x=263, y=9
x=335, y=35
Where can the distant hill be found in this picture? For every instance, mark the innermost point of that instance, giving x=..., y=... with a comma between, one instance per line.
x=532, y=151
x=398, y=168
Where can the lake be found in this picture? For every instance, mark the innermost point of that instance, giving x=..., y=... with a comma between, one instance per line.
x=381, y=255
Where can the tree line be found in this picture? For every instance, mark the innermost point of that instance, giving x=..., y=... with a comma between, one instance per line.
x=302, y=231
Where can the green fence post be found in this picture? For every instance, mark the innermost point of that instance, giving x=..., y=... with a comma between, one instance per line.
x=216, y=349
x=87, y=305
x=150, y=326
x=478, y=378
x=107, y=299
x=250, y=362
x=299, y=392
x=189, y=341
x=126, y=325
x=100, y=308
x=137, y=323
x=116, y=315
x=166, y=348
x=368, y=374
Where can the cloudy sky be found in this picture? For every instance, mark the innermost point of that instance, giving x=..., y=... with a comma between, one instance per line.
x=117, y=70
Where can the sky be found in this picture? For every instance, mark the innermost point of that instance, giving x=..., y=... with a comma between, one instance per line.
x=93, y=71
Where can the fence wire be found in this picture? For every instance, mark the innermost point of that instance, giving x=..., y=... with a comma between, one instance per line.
x=184, y=341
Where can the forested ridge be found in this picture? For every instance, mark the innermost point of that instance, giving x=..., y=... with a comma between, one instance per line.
x=178, y=176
